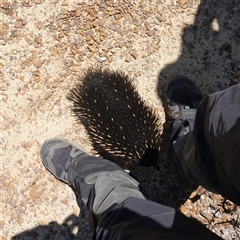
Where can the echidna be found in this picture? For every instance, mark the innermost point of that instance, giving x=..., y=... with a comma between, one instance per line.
x=120, y=125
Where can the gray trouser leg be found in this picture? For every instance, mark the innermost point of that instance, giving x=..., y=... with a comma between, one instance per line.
x=101, y=183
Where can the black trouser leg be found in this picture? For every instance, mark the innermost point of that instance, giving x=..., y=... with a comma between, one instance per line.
x=207, y=150
x=217, y=140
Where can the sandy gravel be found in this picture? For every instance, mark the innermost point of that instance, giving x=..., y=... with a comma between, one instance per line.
x=46, y=45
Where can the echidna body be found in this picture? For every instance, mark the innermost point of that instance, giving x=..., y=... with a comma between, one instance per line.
x=120, y=125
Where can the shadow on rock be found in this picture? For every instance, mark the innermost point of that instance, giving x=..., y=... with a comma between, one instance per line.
x=73, y=228
x=210, y=48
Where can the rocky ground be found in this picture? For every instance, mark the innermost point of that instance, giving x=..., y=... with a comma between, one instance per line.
x=46, y=46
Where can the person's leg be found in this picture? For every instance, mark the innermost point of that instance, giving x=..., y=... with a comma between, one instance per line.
x=100, y=183
x=217, y=138
x=118, y=208
x=205, y=135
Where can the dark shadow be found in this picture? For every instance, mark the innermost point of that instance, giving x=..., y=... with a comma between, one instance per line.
x=73, y=228
x=210, y=48
x=53, y=230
